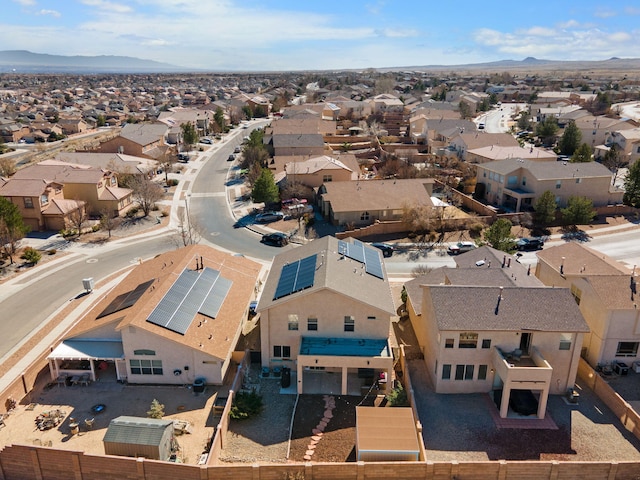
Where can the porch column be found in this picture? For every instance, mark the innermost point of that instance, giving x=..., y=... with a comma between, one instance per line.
x=504, y=404
x=518, y=203
x=344, y=381
x=542, y=402
x=53, y=369
x=300, y=370
x=93, y=369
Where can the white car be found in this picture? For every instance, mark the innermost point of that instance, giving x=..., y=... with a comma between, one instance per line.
x=461, y=247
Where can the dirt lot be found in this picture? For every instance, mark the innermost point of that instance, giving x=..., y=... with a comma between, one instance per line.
x=76, y=402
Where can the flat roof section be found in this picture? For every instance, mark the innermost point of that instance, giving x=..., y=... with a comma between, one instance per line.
x=345, y=347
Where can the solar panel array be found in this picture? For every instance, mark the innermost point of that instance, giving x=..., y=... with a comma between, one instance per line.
x=296, y=276
x=364, y=254
x=193, y=292
x=126, y=300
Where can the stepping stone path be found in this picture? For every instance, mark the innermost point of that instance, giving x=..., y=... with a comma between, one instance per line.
x=329, y=405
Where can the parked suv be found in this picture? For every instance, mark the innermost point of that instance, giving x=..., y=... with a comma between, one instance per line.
x=461, y=247
x=387, y=250
x=277, y=239
x=534, y=243
x=268, y=217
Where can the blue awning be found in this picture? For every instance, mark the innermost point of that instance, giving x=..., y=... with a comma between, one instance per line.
x=345, y=347
x=87, y=349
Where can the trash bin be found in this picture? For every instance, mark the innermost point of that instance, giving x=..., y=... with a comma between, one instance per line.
x=285, y=380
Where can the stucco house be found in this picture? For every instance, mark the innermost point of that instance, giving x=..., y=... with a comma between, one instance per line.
x=325, y=313
x=464, y=142
x=173, y=319
x=315, y=171
x=138, y=139
x=516, y=184
x=606, y=292
x=364, y=202
x=479, y=332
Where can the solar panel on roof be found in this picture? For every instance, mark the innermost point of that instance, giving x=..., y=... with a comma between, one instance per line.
x=373, y=264
x=126, y=300
x=192, y=292
x=296, y=276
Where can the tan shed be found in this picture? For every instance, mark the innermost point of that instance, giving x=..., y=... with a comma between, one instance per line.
x=139, y=437
x=386, y=435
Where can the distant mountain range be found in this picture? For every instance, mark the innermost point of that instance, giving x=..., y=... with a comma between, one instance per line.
x=23, y=61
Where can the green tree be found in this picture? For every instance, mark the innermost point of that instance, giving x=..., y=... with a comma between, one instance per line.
x=545, y=209
x=632, y=186
x=218, y=117
x=614, y=159
x=583, y=154
x=189, y=134
x=12, y=228
x=499, y=235
x=31, y=255
x=546, y=131
x=101, y=121
x=570, y=140
x=265, y=189
x=465, y=110
x=156, y=410
x=524, y=121
x=579, y=211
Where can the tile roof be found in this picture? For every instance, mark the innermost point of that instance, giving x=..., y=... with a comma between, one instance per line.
x=545, y=309
x=581, y=260
x=334, y=272
x=377, y=194
x=61, y=172
x=549, y=170
x=60, y=206
x=615, y=291
x=28, y=187
x=480, y=139
x=144, y=133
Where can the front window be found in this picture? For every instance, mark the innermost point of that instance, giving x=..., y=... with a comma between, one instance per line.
x=486, y=343
x=559, y=184
x=364, y=216
x=448, y=343
x=482, y=372
x=312, y=324
x=293, y=322
x=44, y=199
x=327, y=178
x=145, y=367
x=349, y=324
x=281, y=351
x=446, y=372
x=627, y=349
x=468, y=340
x=28, y=202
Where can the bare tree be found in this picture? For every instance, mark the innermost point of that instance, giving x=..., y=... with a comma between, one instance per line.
x=7, y=167
x=146, y=193
x=419, y=219
x=188, y=231
x=109, y=222
x=419, y=270
x=79, y=216
x=167, y=159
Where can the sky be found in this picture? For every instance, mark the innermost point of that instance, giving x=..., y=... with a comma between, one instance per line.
x=277, y=35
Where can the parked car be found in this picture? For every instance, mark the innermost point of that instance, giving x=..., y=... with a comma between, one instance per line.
x=183, y=157
x=387, y=250
x=461, y=247
x=534, y=243
x=237, y=149
x=231, y=158
x=208, y=141
x=277, y=239
x=268, y=217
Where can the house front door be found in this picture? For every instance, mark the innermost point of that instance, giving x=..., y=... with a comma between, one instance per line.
x=525, y=342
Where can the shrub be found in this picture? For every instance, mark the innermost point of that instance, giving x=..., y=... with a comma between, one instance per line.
x=246, y=405
x=476, y=229
x=31, y=255
x=95, y=228
x=132, y=212
x=51, y=251
x=398, y=397
x=164, y=213
x=172, y=182
x=156, y=410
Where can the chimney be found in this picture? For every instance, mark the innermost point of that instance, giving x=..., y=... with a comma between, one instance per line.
x=504, y=260
x=509, y=263
x=497, y=310
x=562, y=266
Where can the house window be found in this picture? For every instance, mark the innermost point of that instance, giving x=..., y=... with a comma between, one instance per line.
x=28, y=202
x=558, y=183
x=524, y=181
x=512, y=180
x=364, y=216
x=281, y=351
x=371, y=317
x=448, y=343
x=327, y=178
x=577, y=293
x=468, y=372
x=145, y=367
x=486, y=343
x=459, y=372
x=565, y=345
x=482, y=372
x=113, y=181
x=144, y=352
x=293, y=322
x=468, y=340
x=349, y=324
x=578, y=180
x=44, y=199
x=446, y=371
x=627, y=349
x=312, y=324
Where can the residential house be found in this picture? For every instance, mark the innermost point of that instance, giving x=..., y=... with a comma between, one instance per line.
x=41, y=203
x=597, y=130
x=497, y=152
x=465, y=141
x=298, y=144
x=364, y=202
x=116, y=162
x=386, y=102
x=606, y=292
x=172, y=320
x=138, y=139
x=479, y=332
x=176, y=117
x=313, y=172
x=72, y=126
x=516, y=184
x=13, y=132
x=97, y=187
x=629, y=143
x=325, y=313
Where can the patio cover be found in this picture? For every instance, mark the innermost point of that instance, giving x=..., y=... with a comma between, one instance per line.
x=88, y=349
x=386, y=434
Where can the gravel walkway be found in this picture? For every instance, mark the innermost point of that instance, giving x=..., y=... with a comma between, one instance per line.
x=263, y=438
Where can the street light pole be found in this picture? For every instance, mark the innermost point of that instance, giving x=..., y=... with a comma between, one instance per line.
x=186, y=205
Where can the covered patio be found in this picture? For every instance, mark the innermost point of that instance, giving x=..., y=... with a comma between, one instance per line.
x=82, y=357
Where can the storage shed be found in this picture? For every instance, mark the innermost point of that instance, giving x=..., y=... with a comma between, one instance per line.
x=386, y=435
x=139, y=437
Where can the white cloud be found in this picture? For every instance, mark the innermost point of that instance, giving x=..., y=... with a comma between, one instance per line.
x=52, y=13
x=397, y=33
x=25, y=3
x=632, y=11
x=538, y=31
x=108, y=6
x=569, y=24
x=605, y=13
